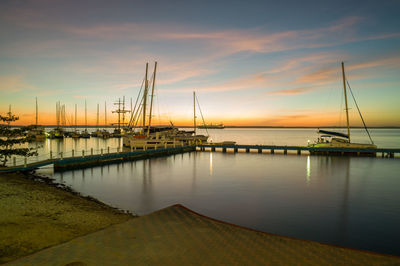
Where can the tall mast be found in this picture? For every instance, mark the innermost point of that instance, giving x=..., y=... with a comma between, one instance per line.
x=123, y=111
x=58, y=113
x=345, y=101
x=194, y=112
x=145, y=97
x=105, y=113
x=36, y=112
x=97, y=120
x=76, y=115
x=152, y=94
x=85, y=116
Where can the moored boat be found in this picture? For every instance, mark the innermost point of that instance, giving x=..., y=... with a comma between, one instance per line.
x=338, y=142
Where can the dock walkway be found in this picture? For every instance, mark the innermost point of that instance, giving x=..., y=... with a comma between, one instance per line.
x=298, y=149
x=179, y=236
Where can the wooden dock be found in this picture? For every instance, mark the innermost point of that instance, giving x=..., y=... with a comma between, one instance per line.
x=74, y=162
x=63, y=163
x=298, y=150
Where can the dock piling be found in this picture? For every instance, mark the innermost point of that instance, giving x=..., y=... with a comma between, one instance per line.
x=51, y=155
x=83, y=153
x=108, y=150
x=299, y=152
x=212, y=148
x=91, y=151
x=73, y=153
x=247, y=150
x=25, y=162
x=272, y=151
x=61, y=155
x=14, y=161
x=223, y=149
x=259, y=150
x=101, y=151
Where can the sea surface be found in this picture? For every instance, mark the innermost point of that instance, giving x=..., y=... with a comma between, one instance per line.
x=346, y=201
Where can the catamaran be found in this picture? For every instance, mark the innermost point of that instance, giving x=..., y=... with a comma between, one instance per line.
x=332, y=139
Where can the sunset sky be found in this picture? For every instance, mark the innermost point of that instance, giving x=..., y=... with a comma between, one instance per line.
x=272, y=63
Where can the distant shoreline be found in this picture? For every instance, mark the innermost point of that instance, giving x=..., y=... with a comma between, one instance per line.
x=287, y=127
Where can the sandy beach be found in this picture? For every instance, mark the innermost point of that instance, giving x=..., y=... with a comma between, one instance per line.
x=36, y=214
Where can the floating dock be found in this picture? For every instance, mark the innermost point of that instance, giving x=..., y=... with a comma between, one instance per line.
x=76, y=162
x=299, y=150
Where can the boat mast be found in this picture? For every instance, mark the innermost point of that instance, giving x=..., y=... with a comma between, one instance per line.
x=36, y=113
x=194, y=112
x=76, y=119
x=97, y=120
x=85, y=117
x=105, y=113
x=145, y=97
x=345, y=101
x=152, y=94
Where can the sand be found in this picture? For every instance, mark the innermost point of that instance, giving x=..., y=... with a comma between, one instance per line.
x=36, y=214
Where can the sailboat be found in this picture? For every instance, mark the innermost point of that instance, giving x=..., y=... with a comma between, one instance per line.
x=58, y=132
x=98, y=133
x=36, y=132
x=332, y=139
x=85, y=134
x=151, y=137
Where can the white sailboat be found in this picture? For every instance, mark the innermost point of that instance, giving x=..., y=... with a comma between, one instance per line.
x=36, y=132
x=331, y=139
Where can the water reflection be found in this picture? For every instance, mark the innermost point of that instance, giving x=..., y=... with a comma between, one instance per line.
x=341, y=201
x=308, y=175
x=211, y=164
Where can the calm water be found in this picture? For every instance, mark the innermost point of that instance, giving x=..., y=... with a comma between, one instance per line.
x=346, y=201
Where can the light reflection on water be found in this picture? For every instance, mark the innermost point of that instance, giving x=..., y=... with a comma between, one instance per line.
x=351, y=202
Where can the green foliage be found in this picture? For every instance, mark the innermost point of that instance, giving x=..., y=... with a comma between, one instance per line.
x=12, y=139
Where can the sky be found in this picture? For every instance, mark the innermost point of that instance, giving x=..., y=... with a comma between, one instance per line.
x=260, y=63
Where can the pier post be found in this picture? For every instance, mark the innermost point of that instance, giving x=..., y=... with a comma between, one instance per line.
x=118, y=150
x=391, y=155
x=383, y=154
x=14, y=161
x=298, y=152
x=91, y=151
x=83, y=153
x=25, y=162
x=108, y=150
x=212, y=148
x=272, y=151
x=259, y=150
x=101, y=151
x=61, y=155
x=235, y=150
x=73, y=153
x=51, y=155
x=247, y=150
x=224, y=149
x=285, y=151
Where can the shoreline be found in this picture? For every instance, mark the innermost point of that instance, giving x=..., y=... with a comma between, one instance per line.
x=38, y=213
